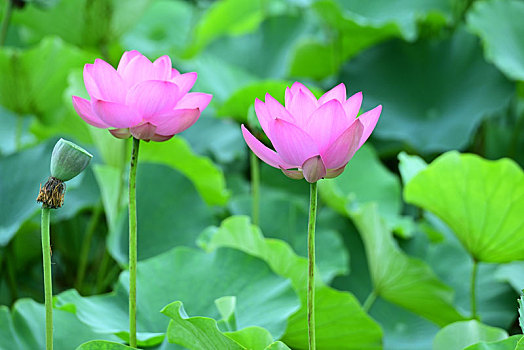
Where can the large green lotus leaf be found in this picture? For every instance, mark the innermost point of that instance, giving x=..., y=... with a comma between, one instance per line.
x=409, y=166
x=405, y=331
x=255, y=338
x=453, y=264
x=195, y=332
x=204, y=333
x=266, y=52
x=33, y=80
x=103, y=345
x=520, y=344
x=24, y=328
x=228, y=17
x=263, y=298
x=481, y=201
x=96, y=22
x=499, y=25
x=459, y=335
x=318, y=59
x=278, y=345
x=176, y=153
x=126, y=13
x=405, y=15
x=434, y=94
x=340, y=321
x=506, y=344
x=400, y=279
x=14, y=133
x=360, y=25
x=366, y=180
x=164, y=27
x=310, y=57
x=513, y=273
x=57, y=19
x=169, y=213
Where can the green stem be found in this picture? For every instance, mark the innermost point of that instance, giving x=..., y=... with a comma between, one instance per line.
x=102, y=272
x=370, y=300
x=5, y=21
x=132, y=243
x=11, y=271
x=48, y=286
x=513, y=145
x=311, y=266
x=473, y=289
x=110, y=277
x=255, y=187
x=18, y=131
x=2, y=253
x=86, y=246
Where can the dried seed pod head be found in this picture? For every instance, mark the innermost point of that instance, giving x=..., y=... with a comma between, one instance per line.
x=51, y=195
x=68, y=160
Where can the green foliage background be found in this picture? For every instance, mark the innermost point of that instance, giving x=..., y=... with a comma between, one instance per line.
x=398, y=231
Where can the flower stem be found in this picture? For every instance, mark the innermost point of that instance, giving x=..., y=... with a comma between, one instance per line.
x=473, y=290
x=11, y=271
x=255, y=187
x=370, y=300
x=102, y=272
x=311, y=266
x=5, y=21
x=48, y=286
x=18, y=131
x=86, y=246
x=132, y=243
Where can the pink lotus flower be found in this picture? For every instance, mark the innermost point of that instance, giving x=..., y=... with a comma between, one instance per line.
x=317, y=138
x=149, y=101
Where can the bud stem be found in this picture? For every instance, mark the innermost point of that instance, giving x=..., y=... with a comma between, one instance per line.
x=132, y=243
x=48, y=282
x=473, y=299
x=5, y=21
x=311, y=266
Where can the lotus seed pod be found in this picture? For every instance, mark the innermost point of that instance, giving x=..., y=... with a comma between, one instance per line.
x=68, y=160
